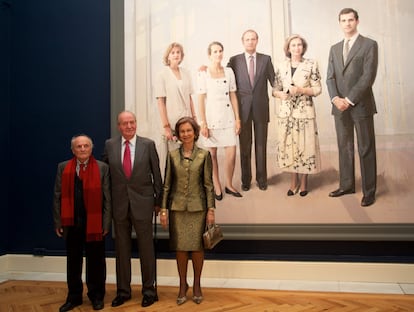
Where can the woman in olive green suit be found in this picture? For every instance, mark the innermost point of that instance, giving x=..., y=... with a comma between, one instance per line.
x=189, y=198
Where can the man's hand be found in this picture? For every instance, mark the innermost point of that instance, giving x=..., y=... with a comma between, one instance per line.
x=341, y=104
x=59, y=232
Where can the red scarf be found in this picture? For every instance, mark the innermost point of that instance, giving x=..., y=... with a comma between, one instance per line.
x=92, y=196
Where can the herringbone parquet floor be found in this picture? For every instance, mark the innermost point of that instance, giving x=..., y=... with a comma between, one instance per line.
x=35, y=296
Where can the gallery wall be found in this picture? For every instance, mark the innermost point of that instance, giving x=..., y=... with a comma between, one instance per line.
x=55, y=82
x=58, y=56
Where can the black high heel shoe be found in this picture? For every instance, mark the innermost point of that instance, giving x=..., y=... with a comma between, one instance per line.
x=291, y=193
x=235, y=194
x=219, y=197
x=303, y=193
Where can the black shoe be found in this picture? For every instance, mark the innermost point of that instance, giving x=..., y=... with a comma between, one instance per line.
x=119, y=300
x=262, y=186
x=235, y=194
x=245, y=187
x=303, y=193
x=340, y=192
x=219, y=197
x=148, y=300
x=291, y=193
x=69, y=306
x=367, y=200
x=97, y=304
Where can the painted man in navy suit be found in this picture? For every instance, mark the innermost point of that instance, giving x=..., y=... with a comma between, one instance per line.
x=253, y=70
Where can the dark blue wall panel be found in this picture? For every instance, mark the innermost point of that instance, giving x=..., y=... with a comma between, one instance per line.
x=5, y=101
x=60, y=87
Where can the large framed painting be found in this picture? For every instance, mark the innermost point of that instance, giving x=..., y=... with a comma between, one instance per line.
x=142, y=30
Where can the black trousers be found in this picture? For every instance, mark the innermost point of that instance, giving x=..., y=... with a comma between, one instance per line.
x=95, y=265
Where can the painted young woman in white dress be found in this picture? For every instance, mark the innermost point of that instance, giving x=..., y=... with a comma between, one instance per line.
x=219, y=116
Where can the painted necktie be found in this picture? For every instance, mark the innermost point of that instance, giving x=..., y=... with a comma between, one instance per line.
x=251, y=70
x=346, y=50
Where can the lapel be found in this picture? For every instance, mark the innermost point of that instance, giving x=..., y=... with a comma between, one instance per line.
x=118, y=153
x=354, y=49
x=259, y=67
x=338, y=55
x=174, y=78
x=291, y=77
x=243, y=68
x=138, y=154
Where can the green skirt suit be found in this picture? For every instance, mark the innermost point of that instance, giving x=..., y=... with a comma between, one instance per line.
x=188, y=193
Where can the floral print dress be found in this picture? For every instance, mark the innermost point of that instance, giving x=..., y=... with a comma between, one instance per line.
x=297, y=138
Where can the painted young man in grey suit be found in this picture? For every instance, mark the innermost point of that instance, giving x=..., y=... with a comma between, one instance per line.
x=352, y=69
x=253, y=101
x=136, y=194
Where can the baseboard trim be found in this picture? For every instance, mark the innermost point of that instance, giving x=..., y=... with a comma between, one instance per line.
x=229, y=269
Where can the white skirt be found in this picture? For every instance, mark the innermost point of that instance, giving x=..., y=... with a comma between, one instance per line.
x=219, y=138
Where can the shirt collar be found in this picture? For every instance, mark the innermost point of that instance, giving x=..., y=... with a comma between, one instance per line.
x=352, y=39
x=132, y=141
x=79, y=163
x=247, y=55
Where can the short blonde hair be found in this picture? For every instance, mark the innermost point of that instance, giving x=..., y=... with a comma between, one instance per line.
x=287, y=43
x=168, y=51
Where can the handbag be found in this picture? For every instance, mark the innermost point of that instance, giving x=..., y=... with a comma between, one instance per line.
x=212, y=236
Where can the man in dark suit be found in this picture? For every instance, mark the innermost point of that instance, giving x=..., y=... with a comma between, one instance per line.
x=352, y=69
x=82, y=215
x=253, y=70
x=136, y=193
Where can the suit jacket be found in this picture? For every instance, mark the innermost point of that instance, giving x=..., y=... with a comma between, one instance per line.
x=177, y=98
x=306, y=76
x=254, y=98
x=355, y=78
x=106, y=195
x=142, y=191
x=188, y=183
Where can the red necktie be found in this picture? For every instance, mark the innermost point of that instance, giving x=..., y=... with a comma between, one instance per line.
x=82, y=171
x=251, y=70
x=127, y=160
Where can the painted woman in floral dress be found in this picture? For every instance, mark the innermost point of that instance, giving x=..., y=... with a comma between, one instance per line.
x=297, y=81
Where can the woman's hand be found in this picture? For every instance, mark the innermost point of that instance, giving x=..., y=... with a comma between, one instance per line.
x=293, y=90
x=168, y=133
x=238, y=126
x=204, y=132
x=281, y=95
x=210, y=219
x=164, y=218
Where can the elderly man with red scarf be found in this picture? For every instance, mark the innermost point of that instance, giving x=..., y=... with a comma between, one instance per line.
x=82, y=215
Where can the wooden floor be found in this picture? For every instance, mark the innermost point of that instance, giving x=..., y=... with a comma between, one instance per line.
x=25, y=296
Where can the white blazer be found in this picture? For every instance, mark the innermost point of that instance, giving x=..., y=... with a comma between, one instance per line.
x=177, y=93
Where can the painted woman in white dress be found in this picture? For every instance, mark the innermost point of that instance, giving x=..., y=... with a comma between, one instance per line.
x=297, y=81
x=219, y=116
x=173, y=89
